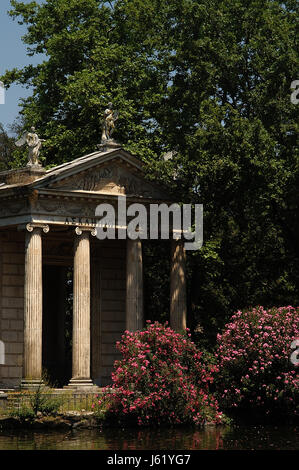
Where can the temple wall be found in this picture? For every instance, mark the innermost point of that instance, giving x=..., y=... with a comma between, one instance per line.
x=12, y=305
x=110, y=260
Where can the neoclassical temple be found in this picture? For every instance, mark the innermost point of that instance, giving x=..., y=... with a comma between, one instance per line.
x=66, y=297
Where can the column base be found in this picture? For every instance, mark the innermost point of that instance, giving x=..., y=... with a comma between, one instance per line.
x=31, y=384
x=81, y=385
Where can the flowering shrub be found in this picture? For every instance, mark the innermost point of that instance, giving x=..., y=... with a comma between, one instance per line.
x=160, y=380
x=254, y=364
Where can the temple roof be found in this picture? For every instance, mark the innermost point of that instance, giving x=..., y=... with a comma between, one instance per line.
x=100, y=172
x=75, y=187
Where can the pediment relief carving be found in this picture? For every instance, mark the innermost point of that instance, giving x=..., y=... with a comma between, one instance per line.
x=111, y=179
x=91, y=180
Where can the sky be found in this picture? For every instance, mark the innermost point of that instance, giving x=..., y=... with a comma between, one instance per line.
x=12, y=54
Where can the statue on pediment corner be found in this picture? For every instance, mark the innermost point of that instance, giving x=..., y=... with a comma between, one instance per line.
x=34, y=144
x=110, y=117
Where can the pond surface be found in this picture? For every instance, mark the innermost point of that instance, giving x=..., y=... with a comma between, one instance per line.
x=228, y=438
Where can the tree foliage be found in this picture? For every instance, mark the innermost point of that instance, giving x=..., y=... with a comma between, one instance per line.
x=6, y=149
x=208, y=78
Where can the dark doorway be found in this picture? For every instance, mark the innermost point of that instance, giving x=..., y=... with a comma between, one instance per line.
x=57, y=324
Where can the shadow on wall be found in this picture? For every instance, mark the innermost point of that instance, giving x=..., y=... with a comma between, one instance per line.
x=2, y=353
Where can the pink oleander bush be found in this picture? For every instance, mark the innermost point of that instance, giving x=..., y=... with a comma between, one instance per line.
x=161, y=379
x=253, y=358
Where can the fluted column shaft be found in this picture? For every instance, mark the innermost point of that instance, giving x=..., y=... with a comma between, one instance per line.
x=134, y=298
x=81, y=311
x=33, y=304
x=178, y=303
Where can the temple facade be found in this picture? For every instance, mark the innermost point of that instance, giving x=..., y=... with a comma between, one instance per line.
x=66, y=296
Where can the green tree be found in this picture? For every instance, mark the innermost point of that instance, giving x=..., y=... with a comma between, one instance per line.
x=6, y=149
x=91, y=59
x=208, y=78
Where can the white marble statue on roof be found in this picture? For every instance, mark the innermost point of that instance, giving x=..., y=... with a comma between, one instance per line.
x=110, y=117
x=34, y=145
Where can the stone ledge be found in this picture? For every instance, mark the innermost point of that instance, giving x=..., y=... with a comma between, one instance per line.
x=20, y=176
x=60, y=421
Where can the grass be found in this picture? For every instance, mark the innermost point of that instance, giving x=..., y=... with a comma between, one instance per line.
x=28, y=405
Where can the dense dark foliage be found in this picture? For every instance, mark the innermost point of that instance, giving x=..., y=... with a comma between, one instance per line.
x=6, y=149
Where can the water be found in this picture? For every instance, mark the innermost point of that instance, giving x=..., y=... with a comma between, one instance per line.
x=228, y=438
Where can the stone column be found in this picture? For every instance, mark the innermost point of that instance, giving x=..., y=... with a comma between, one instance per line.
x=81, y=310
x=33, y=305
x=178, y=304
x=134, y=298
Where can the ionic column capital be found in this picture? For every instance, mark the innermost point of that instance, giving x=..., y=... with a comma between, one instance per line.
x=31, y=226
x=91, y=230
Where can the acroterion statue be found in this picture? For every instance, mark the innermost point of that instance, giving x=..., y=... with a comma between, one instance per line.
x=110, y=116
x=34, y=144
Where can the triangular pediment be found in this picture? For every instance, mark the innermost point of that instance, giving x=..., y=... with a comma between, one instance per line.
x=115, y=173
x=110, y=178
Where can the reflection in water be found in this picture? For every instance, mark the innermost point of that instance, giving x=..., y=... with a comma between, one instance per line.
x=237, y=437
